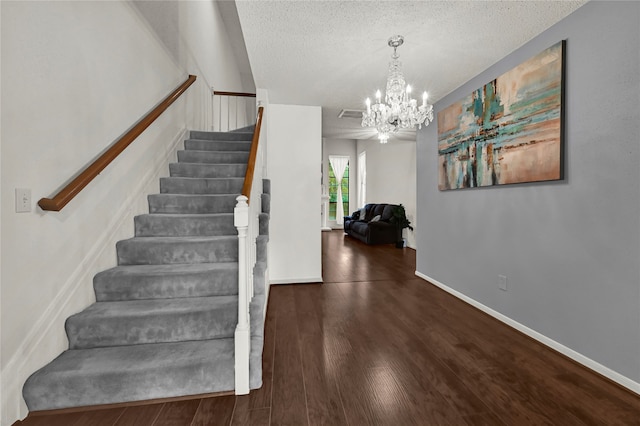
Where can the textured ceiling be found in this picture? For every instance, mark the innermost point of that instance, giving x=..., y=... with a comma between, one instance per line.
x=335, y=54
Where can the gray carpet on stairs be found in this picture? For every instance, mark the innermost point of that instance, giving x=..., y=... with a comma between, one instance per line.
x=131, y=373
x=184, y=225
x=134, y=282
x=163, y=250
x=136, y=322
x=213, y=157
x=192, y=185
x=203, y=170
x=164, y=319
x=191, y=203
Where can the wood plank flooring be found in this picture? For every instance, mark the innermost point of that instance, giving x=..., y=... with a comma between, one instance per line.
x=375, y=345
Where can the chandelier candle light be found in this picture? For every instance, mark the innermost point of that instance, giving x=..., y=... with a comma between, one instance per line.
x=399, y=111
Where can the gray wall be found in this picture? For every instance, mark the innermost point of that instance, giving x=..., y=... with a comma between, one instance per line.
x=570, y=249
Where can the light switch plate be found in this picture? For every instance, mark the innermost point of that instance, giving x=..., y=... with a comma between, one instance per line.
x=502, y=282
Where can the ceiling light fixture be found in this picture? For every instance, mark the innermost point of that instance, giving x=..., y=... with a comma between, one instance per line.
x=399, y=111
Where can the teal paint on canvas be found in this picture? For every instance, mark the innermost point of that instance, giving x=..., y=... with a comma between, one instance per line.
x=509, y=130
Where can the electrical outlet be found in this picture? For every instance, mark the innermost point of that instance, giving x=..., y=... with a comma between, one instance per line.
x=502, y=282
x=23, y=200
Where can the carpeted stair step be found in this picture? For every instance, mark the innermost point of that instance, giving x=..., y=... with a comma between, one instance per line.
x=192, y=203
x=203, y=170
x=255, y=362
x=261, y=248
x=216, y=145
x=132, y=373
x=213, y=157
x=260, y=278
x=263, y=224
x=257, y=310
x=171, y=250
x=139, y=322
x=184, y=225
x=221, y=136
x=186, y=185
x=265, y=202
x=136, y=282
x=257, y=314
x=249, y=129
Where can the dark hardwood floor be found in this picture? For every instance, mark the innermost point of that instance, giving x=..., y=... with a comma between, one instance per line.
x=375, y=345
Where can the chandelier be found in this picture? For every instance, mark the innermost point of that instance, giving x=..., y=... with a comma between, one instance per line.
x=399, y=111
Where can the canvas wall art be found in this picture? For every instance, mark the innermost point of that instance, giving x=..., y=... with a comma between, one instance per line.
x=509, y=130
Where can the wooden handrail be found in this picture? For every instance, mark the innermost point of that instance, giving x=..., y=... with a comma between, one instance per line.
x=72, y=189
x=251, y=164
x=239, y=94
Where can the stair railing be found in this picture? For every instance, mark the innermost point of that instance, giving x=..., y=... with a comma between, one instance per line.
x=246, y=220
x=232, y=110
x=73, y=188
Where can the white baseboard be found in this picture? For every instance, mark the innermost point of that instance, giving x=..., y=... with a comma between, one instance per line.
x=43, y=342
x=297, y=280
x=576, y=356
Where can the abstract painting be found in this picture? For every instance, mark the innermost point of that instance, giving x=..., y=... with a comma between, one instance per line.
x=509, y=130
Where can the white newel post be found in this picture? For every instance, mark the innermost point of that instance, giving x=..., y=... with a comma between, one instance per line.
x=242, y=334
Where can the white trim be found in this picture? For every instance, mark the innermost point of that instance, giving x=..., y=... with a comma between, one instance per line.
x=13, y=374
x=576, y=356
x=297, y=281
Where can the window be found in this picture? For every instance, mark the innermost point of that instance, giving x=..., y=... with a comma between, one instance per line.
x=333, y=192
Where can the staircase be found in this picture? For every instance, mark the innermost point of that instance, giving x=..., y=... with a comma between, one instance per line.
x=164, y=321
